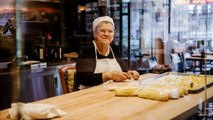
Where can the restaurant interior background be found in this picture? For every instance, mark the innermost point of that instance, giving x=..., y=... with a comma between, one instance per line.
x=46, y=29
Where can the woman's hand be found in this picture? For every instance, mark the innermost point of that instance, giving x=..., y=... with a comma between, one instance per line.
x=115, y=75
x=133, y=74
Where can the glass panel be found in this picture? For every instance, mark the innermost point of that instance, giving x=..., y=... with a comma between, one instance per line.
x=149, y=21
x=113, y=10
x=191, y=29
x=125, y=7
x=148, y=26
x=136, y=17
x=125, y=31
x=191, y=25
x=7, y=31
x=9, y=79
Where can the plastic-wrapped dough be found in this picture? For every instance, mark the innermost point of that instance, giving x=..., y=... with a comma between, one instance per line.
x=152, y=93
x=127, y=91
x=174, y=91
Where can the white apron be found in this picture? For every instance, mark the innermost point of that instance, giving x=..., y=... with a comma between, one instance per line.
x=103, y=65
x=106, y=64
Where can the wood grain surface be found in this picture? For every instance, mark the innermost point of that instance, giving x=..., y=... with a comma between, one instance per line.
x=97, y=103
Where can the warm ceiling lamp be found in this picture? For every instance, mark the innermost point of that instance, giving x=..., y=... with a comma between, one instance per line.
x=81, y=8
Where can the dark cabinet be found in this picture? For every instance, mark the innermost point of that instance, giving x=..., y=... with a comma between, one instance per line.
x=39, y=26
x=41, y=21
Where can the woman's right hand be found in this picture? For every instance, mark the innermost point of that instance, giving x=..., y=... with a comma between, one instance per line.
x=115, y=75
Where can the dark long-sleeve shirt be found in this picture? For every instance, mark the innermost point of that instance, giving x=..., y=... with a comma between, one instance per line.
x=86, y=64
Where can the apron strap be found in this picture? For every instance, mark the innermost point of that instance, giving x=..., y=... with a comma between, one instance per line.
x=112, y=52
x=96, y=51
x=96, y=57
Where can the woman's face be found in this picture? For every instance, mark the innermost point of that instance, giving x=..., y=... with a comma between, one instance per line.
x=104, y=34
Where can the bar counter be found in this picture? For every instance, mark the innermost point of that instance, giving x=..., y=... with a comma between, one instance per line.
x=36, y=83
x=96, y=103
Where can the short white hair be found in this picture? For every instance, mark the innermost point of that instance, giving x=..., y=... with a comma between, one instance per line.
x=101, y=19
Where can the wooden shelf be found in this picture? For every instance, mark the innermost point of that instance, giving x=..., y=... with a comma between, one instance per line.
x=46, y=1
x=41, y=4
x=38, y=22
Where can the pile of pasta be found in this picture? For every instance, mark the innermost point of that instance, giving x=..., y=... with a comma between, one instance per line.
x=162, y=89
x=191, y=82
x=197, y=81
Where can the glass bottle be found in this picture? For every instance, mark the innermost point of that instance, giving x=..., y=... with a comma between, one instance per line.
x=41, y=47
x=48, y=40
x=36, y=48
x=60, y=56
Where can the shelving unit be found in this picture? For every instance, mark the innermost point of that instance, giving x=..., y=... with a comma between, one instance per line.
x=40, y=17
x=37, y=81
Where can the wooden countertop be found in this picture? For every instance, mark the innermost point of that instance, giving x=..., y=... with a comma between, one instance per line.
x=97, y=103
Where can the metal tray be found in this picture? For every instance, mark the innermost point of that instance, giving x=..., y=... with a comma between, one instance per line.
x=185, y=74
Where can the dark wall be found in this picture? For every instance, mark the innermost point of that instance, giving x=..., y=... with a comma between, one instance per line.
x=70, y=14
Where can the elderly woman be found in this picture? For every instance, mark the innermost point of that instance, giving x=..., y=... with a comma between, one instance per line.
x=102, y=61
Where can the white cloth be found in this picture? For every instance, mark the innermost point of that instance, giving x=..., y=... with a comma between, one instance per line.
x=101, y=19
x=32, y=111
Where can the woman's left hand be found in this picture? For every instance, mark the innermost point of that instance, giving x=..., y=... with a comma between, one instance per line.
x=134, y=74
